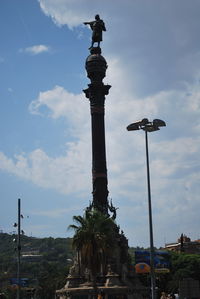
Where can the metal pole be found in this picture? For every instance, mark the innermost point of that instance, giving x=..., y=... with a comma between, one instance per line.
x=18, y=248
x=153, y=290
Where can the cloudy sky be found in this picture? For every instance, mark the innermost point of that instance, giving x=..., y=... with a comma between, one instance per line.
x=152, y=48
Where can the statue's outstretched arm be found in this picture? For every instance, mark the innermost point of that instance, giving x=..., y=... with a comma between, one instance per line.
x=86, y=23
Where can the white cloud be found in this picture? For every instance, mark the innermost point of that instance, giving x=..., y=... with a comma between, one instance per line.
x=174, y=159
x=60, y=103
x=152, y=51
x=155, y=41
x=51, y=173
x=62, y=12
x=35, y=50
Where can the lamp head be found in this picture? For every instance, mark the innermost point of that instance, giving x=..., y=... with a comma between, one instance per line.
x=159, y=123
x=151, y=128
x=144, y=121
x=138, y=124
x=133, y=127
x=146, y=125
x=154, y=125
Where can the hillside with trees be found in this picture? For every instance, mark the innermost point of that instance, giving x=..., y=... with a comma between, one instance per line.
x=46, y=261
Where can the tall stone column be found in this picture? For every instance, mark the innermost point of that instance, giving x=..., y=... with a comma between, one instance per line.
x=96, y=66
x=116, y=279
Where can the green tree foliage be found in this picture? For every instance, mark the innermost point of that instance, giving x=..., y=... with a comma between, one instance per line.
x=183, y=265
x=47, y=274
x=94, y=239
x=92, y=231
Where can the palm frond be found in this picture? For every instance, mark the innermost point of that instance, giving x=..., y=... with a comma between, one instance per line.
x=94, y=238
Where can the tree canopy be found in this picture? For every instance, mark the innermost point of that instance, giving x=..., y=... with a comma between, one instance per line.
x=93, y=239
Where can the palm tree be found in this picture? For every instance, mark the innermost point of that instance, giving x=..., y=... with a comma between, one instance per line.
x=94, y=240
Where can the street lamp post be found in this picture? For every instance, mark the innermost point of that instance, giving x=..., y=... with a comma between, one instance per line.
x=148, y=126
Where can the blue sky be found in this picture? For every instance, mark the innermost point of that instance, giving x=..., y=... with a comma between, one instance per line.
x=153, y=53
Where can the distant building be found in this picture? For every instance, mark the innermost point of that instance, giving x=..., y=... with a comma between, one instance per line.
x=184, y=244
x=31, y=257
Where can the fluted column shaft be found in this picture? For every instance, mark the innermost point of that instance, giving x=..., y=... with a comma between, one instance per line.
x=96, y=91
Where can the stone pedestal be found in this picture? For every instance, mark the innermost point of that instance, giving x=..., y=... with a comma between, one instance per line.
x=72, y=281
x=112, y=279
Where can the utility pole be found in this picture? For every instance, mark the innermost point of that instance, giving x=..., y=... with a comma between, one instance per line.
x=19, y=249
